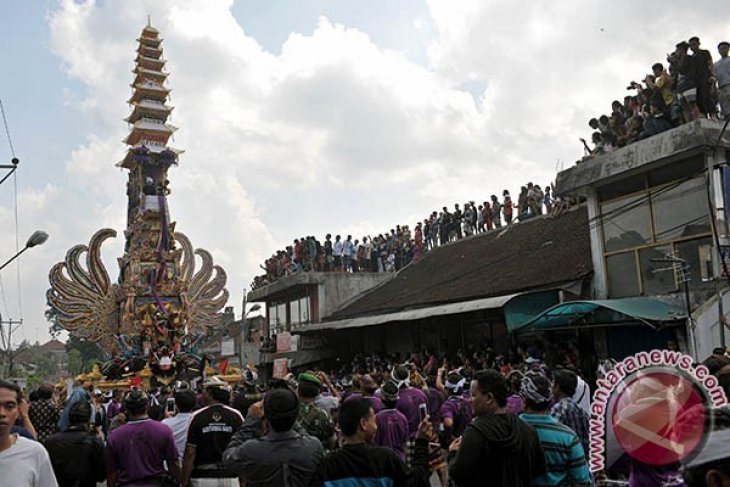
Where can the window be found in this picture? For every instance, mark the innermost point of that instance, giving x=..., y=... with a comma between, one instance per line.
x=294, y=309
x=656, y=223
x=680, y=210
x=657, y=277
x=622, y=280
x=299, y=309
x=698, y=254
x=626, y=223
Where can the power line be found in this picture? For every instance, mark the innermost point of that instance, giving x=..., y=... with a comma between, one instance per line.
x=7, y=130
x=17, y=245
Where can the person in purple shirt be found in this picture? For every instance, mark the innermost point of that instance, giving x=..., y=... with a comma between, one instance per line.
x=137, y=451
x=367, y=390
x=409, y=399
x=392, y=424
x=115, y=406
x=435, y=399
x=514, y=401
x=456, y=412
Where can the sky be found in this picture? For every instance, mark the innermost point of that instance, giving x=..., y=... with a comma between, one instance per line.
x=305, y=117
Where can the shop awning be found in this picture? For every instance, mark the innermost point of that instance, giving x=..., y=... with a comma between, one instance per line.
x=413, y=314
x=602, y=313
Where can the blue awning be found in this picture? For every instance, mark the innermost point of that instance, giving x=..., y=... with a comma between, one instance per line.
x=606, y=312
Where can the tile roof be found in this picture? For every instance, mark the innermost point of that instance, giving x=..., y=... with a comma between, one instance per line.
x=538, y=253
x=54, y=346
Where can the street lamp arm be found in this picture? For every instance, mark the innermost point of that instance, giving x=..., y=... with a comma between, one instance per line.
x=13, y=258
x=38, y=237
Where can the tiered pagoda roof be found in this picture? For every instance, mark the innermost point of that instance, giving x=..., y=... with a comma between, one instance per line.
x=150, y=131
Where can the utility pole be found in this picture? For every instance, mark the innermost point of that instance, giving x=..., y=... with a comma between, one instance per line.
x=6, y=341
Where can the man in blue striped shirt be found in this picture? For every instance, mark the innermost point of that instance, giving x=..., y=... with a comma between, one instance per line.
x=565, y=410
x=565, y=460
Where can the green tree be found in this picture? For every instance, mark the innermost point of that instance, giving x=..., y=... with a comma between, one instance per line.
x=90, y=351
x=75, y=363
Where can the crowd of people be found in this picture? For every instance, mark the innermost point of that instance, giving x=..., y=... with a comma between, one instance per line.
x=393, y=250
x=691, y=86
x=398, y=420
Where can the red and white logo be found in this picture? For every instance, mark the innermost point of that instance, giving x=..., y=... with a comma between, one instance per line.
x=659, y=416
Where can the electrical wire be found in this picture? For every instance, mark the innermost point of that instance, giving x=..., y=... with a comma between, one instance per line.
x=17, y=245
x=12, y=152
x=7, y=130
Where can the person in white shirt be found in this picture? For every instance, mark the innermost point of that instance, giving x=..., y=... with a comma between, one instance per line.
x=23, y=462
x=722, y=73
x=337, y=249
x=582, y=396
x=180, y=423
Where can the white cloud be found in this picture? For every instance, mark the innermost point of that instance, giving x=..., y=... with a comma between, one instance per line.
x=336, y=134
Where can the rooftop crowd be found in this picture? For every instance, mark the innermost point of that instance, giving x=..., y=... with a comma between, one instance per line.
x=689, y=87
x=414, y=419
x=391, y=251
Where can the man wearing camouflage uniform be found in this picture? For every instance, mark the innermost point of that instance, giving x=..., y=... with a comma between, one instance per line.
x=313, y=419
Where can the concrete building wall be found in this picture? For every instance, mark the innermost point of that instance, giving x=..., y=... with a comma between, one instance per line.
x=707, y=322
x=339, y=289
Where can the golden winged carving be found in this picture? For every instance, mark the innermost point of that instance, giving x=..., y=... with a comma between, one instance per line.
x=84, y=299
x=206, y=294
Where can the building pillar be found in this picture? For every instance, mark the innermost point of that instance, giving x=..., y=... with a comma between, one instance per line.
x=600, y=289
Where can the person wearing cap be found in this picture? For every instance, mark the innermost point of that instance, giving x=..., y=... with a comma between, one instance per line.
x=497, y=445
x=211, y=428
x=312, y=418
x=392, y=424
x=361, y=463
x=722, y=73
x=137, y=451
x=704, y=65
x=77, y=456
x=711, y=468
x=329, y=397
x=565, y=458
x=283, y=456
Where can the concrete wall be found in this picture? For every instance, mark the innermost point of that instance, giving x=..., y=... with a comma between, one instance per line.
x=707, y=331
x=631, y=159
x=339, y=289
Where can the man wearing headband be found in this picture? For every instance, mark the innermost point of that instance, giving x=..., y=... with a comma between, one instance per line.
x=565, y=458
x=282, y=457
x=456, y=411
x=392, y=424
x=409, y=403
